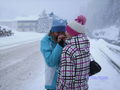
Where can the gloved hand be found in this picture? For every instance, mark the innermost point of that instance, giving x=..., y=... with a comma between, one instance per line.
x=61, y=40
x=62, y=43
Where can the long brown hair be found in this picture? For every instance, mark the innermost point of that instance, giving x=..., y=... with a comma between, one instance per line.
x=52, y=35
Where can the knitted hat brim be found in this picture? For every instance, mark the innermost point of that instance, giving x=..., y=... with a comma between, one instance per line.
x=58, y=29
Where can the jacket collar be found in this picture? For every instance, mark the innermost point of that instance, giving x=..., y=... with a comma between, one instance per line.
x=75, y=38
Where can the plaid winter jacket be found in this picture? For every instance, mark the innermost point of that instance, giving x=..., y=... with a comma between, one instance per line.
x=74, y=66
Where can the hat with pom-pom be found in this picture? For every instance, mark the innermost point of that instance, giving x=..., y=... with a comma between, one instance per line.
x=77, y=26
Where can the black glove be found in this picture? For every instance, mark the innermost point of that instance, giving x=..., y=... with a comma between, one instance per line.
x=61, y=43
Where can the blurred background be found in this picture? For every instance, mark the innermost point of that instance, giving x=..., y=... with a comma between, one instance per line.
x=23, y=23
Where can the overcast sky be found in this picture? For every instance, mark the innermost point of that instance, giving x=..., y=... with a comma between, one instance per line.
x=11, y=9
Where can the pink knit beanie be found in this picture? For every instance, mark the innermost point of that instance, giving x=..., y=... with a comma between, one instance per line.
x=77, y=26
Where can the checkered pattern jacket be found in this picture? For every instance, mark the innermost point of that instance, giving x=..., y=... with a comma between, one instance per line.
x=74, y=66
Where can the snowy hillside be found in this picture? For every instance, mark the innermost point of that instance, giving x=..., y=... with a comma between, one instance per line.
x=111, y=34
x=103, y=13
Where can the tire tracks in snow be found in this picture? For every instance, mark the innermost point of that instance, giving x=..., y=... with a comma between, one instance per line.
x=21, y=73
x=110, y=54
x=116, y=67
x=14, y=55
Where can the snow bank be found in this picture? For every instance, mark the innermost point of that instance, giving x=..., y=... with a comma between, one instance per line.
x=19, y=38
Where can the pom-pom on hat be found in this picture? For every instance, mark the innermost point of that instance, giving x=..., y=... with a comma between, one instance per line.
x=77, y=26
x=59, y=25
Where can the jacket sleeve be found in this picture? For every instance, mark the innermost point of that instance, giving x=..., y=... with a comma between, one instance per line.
x=67, y=67
x=52, y=56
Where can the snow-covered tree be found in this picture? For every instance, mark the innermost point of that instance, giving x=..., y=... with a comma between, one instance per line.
x=103, y=13
x=44, y=22
x=5, y=31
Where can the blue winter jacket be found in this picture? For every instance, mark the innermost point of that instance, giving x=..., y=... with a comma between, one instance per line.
x=52, y=53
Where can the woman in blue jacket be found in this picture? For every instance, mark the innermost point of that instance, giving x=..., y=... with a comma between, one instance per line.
x=51, y=48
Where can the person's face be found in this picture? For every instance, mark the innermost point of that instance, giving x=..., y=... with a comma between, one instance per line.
x=56, y=34
x=67, y=35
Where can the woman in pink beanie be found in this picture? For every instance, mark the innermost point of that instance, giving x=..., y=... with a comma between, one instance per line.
x=75, y=58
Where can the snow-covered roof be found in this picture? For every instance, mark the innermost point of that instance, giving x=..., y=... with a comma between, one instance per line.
x=32, y=17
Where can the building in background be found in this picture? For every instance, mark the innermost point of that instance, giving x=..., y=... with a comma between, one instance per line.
x=42, y=24
x=27, y=25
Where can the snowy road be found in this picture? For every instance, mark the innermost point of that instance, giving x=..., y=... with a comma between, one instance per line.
x=22, y=68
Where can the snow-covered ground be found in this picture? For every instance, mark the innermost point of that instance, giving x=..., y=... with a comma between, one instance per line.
x=22, y=68
x=22, y=64
x=112, y=51
x=109, y=77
